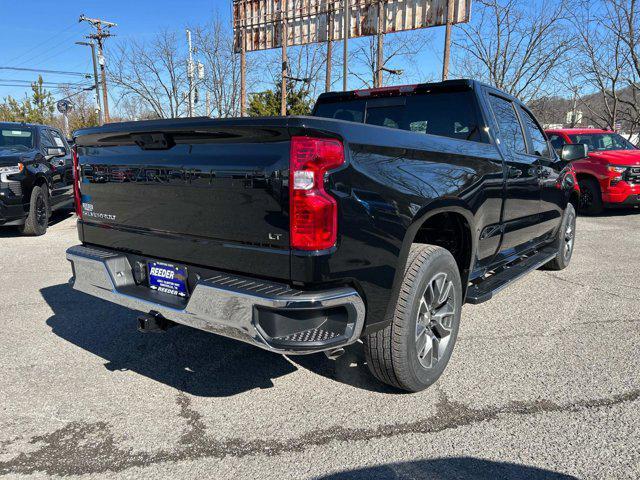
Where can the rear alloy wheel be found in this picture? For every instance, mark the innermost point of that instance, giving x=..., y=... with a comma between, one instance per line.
x=37, y=221
x=412, y=352
x=590, y=197
x=433, y=323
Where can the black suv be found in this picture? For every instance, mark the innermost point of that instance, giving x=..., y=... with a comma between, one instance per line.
x=36, y=175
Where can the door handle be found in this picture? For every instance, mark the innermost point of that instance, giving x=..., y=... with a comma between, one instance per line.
x=543, y=172
x=514, y=172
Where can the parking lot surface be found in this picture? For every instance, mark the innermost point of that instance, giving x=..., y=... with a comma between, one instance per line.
x=544, y=383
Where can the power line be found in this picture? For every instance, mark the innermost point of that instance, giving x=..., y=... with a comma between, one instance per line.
x=43, y=43
x=47, y=53
x=22, y=85
x=44, y=82
x=42, y=70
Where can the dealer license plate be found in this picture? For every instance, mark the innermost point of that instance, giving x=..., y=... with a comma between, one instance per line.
x=167, y=278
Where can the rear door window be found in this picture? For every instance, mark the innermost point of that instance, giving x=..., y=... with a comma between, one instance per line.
x=510, y=129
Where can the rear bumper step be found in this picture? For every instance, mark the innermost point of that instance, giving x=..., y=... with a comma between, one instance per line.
x=269, y=315
x=485, y=289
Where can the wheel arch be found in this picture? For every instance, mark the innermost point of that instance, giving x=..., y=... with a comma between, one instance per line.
x=457, y=210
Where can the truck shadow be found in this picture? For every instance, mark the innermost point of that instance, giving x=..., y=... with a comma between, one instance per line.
x=56, y=217
x=187, y=359
x=196, y=362
x=453, y=468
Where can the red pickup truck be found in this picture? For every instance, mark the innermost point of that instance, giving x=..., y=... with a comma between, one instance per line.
x=610, y=175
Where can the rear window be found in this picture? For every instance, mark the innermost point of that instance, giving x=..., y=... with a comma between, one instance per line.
x=447, y=114
x=18, y=138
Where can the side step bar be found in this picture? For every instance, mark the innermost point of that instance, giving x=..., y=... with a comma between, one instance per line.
x=486, y=288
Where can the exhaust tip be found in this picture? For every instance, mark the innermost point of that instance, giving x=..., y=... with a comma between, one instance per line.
x=335, y=353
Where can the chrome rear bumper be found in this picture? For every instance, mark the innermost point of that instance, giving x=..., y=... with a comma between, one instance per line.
x=269, y=315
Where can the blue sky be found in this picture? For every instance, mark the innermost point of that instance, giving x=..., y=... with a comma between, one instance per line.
x=41, y=34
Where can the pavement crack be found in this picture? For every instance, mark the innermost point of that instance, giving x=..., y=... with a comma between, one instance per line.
x=196, y=429
x=559, y=330
x=578, y=284
x=87, y=448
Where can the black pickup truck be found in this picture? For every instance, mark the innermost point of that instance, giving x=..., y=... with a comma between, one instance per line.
x=36, y=175
x=375, y=219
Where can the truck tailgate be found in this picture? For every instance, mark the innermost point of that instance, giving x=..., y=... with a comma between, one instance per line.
x=204, y=192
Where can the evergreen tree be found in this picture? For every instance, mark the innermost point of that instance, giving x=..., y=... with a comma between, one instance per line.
x=38, y=108
x=267, y=104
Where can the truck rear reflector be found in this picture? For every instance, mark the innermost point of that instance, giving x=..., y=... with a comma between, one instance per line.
x=76, y=182
x=313, y=212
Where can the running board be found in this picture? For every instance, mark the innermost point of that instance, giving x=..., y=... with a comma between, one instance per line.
x=484, y=290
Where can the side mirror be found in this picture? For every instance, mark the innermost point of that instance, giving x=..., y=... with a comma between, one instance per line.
x=56, y=152
x=574, y=151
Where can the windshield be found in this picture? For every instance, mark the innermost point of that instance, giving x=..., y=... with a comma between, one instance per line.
x=15, y=138
x=597, y=142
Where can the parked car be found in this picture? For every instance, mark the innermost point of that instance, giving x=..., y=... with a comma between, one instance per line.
x=374, y=219
x=36, y=175
x=610, y=175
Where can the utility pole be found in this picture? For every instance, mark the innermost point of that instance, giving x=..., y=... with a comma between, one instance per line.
x=285, y=69
x=102, y=31
x=345, y=46
x=447, y=41
x=574, y=113
x=190, y=74
x=95, y=77
x=380, y=53
x=327, y=81
x=242, y=24
x=243, y=75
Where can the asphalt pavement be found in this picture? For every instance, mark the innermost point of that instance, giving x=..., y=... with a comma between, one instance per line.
x=544, y=383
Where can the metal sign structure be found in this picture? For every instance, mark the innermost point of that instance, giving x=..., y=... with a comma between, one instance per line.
x=267, y=24
x=260, y=23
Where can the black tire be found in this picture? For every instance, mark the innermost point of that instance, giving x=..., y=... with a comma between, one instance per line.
x=565, y=241
x=590, y=197
x=38, y=219
x=393, y=353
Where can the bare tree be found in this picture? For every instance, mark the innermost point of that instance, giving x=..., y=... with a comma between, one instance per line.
x=306, y=65
x=623, y=22
x=513, y=45
x=604, y=70
x=399, y=54
x=154, y=73
x=214, y=44
x=597, y=67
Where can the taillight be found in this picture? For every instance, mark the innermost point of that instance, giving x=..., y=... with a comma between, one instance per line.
x=314, y=213
x=76, y=182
